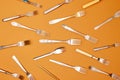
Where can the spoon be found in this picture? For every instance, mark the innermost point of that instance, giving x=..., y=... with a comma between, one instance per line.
x=57, y=6
x=56, y=51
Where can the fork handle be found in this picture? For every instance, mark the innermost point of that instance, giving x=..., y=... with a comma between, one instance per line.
x=49, y=41
x=100, y=25
x=53, y=8
x=7, y=46
x=60, y=19
x=20, y=65
x=101, y=48
x=11, y=18
x=90, y=3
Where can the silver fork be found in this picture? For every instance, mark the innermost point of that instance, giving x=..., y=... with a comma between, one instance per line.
x=38, y=31
x=19, y=44
x=69, y=41
x=76, y=68
x=101, y=60
x=15, y=75
x=29, y=75
x=112, y=75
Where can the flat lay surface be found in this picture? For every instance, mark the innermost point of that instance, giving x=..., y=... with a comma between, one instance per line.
x=107, y=34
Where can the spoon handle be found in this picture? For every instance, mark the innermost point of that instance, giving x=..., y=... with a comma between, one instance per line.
x=100, y=25
x=42, y=56
x=63, y=64
x=53, y=8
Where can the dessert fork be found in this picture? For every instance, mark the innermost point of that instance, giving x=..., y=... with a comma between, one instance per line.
x=78, y=14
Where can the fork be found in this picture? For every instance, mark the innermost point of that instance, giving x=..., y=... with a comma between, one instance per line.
x=112, y=75
x=86, y=36
x=29, y=75
x=40, y=32
x=19, y=44
x=15, y=75
x=28, y=14
x=78, y=14
x=69, y=41
x=76, y=68
x=107, y=46
x=101, y=60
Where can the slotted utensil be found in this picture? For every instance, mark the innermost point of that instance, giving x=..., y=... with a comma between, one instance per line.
x=116, y=15
x=19, y=44
x=112, y=75
x=78, y=14
x=15, y=75
x=90, y=3
x=28, y=14
x=76, y=68
x=38, y=31
x=49, y=73
x=57, y=6
x=32, y=3
x=101, y=60
x=69, y=41
x=29, y=75
x=106, y=47
x=56, y=51
x=86, y=36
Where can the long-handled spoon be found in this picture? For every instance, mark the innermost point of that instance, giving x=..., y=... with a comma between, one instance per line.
x=76, y=68
x=78, y=14
x=56, y=51
x=101, y=60
x=57, y=6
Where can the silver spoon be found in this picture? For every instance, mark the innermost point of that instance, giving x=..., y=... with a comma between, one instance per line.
x=56, y=51
x=57, y=6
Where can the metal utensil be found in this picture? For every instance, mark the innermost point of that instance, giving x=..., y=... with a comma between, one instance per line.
x=32, y=3
x=28, y=14
x=90, y=3
x=116, y=15
x=19, y=44
x=107, y=46
x=49, y=73
x=101, y=60
x=15, y=75
x=112, y=75
x=56, y=51
x=86, y=36
x=29, y=75
x=40, y=32
x=76, y=68
x=69, y=41
x=57, y=6
x=78, y=14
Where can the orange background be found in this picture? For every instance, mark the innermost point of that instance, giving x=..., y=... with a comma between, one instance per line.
x=108, y=34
